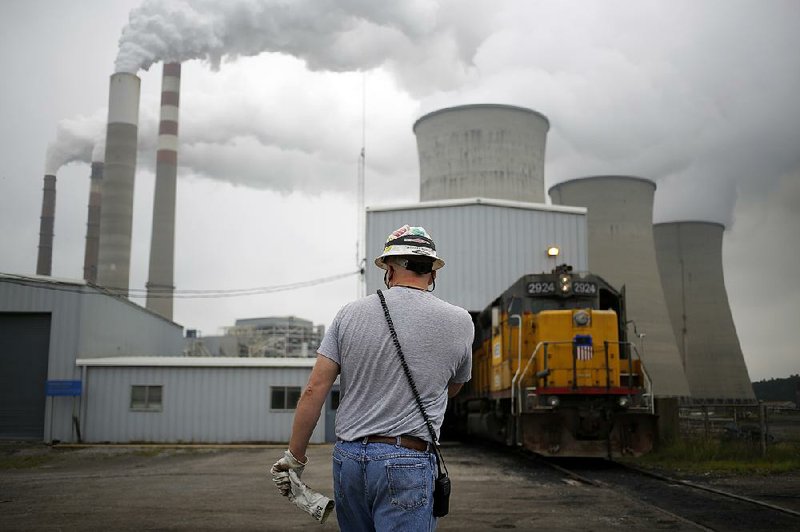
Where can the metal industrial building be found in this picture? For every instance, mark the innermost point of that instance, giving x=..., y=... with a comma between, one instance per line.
x=77, y=364
x=690, y=262
x=482, y=150
x=275, y=336
x=487, y=244
x=45, y=325
x=193, y=399
x=621, y=249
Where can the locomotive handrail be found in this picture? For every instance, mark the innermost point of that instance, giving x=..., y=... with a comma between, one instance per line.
x=518, y=376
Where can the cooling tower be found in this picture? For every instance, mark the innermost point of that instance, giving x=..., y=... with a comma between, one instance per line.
x=484, y=150
x=162, y=242
x=116, y=215
x=690, y=261
x=44, y=260
x=621, y=249
x=93, y=223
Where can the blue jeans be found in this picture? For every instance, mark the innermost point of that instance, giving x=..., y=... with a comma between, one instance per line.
x=382, y=487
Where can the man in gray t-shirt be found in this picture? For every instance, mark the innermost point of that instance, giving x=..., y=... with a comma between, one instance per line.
x=383, y=465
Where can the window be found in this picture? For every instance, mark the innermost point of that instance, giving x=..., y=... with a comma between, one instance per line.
x=146, y=398
x=284, y=397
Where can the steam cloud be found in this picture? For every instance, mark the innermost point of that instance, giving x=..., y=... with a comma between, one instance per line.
x=79, y=139
x=336, y=35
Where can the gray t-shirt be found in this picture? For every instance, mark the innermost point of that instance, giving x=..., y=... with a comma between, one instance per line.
x=376, y=399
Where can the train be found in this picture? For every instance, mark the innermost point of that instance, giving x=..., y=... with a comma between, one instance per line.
x=553, y=371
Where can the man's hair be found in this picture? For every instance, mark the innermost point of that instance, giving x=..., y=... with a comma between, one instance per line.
x=418, y=265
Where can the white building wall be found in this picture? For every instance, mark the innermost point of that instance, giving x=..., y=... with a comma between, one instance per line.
x=200, y=404
x=486, y=244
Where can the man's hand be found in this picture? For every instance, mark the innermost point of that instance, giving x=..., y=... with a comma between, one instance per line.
x=280, y=472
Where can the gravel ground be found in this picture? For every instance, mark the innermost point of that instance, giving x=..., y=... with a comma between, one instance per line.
x=228, y=488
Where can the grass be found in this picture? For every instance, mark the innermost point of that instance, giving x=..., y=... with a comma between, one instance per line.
x=28, y=461
x=701, y=456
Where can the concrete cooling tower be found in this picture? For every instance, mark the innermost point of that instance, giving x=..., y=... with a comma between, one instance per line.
x=160, y=284
x=690, y=261
x=44, y=259
x=93, y=223
x=484, y=150
x=621, y=249
x=116, y=215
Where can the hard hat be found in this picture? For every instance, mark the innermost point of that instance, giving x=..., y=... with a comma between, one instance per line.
x=409, y=242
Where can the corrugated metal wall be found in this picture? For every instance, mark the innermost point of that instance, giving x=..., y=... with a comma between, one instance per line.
x=209, y=405
x=486, y=244
x=85, y=323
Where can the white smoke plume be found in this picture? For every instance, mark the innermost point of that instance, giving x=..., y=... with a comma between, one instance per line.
x=79, y=139
x=335, y=35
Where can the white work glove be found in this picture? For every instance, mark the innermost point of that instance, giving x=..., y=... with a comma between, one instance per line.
x=280, y=472
x=315, y=504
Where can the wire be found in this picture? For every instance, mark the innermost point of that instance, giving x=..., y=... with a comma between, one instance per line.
x=160, y=293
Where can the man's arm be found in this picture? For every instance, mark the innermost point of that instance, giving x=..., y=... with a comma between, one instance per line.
x=310, y=405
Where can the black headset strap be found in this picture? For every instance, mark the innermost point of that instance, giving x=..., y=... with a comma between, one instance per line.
x=407, y=371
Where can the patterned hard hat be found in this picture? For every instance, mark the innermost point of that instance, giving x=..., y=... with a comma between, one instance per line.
x=408, y=242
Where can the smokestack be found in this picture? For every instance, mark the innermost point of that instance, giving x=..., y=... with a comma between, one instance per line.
x=93, y=223
x=162, y=241
x=482, y=150
x=44, y=261
x=690, y=262
x=116, y=215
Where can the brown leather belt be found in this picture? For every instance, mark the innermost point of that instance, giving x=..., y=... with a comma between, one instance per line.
x=410, y=442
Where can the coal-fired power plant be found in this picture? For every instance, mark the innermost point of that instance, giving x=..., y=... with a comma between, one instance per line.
x=93, y=223
x=482, y=150
x=690, y=261
x=44, y=260
x=116, y=214
x=160, y=284
x=622, y=251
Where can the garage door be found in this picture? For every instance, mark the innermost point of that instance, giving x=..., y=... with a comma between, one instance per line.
x=24, y=345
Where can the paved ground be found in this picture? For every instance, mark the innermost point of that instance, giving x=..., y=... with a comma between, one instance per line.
x=110, y=488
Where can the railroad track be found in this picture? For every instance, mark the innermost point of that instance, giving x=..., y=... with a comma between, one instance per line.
x=695, y=505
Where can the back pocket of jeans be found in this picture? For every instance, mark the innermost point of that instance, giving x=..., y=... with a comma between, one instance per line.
x=408, y=484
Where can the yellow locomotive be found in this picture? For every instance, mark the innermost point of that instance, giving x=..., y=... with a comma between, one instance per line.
x=552, y=371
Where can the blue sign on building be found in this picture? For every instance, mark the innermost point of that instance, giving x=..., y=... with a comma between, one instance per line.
x=62, y=388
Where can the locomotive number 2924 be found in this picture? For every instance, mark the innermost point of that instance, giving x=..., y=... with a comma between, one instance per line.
x=584, y=288
x=541, y=288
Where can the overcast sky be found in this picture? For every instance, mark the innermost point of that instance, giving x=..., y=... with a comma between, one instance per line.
x=700, y=96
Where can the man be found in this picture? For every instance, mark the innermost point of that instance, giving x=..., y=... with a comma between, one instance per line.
x=383, y=464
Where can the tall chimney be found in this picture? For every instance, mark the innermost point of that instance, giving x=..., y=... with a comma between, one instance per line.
x=44, y=261
x=160, y=285
x=93, y=223
x=116, y=215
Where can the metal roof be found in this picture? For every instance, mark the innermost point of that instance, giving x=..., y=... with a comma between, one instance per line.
x=480, y=201
x=208, y=362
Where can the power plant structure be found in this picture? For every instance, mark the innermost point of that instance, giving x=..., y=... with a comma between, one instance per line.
x=93, y=223
x=116, y=214
x=44, y=260
x=160, y=284
x=690, y=262
x=622, y=251
x=482, y=150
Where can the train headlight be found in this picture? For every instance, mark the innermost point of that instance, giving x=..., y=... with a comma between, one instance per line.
x=581, y=318
x=553, y=401
x=564, y=283
x=623, y=402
